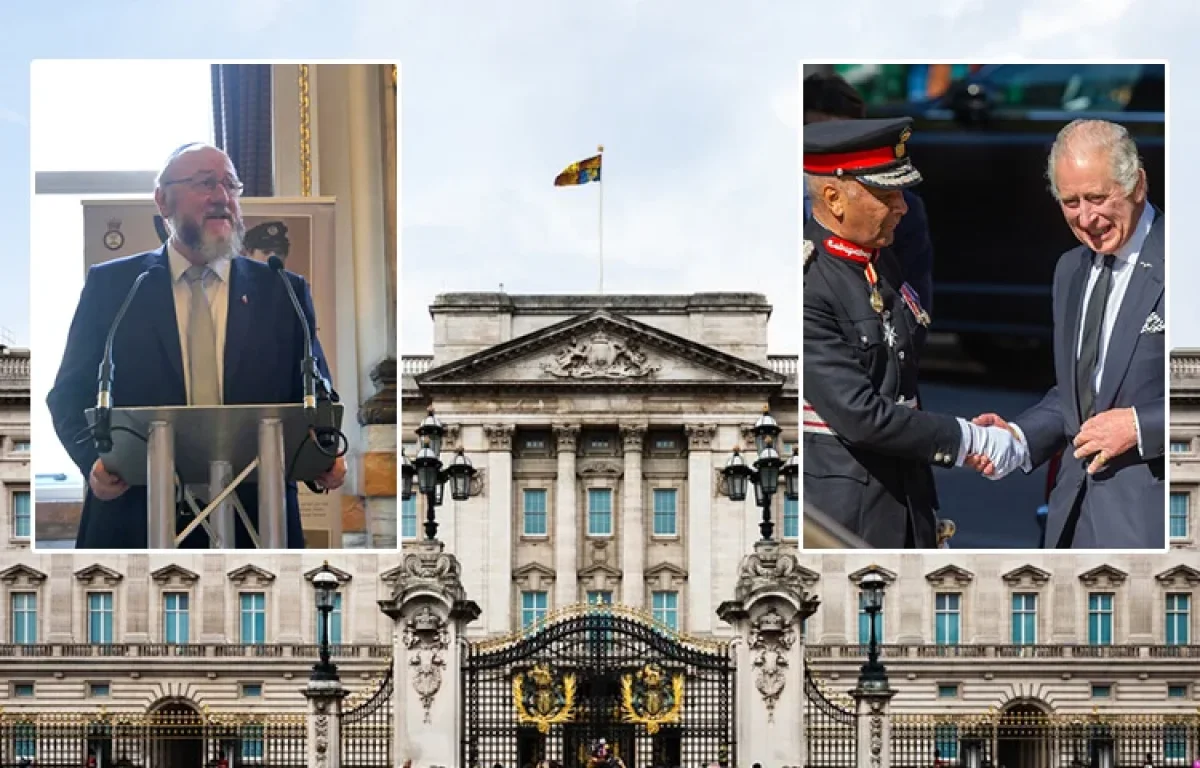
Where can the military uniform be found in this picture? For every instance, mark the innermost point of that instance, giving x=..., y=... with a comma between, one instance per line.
x=868, y=446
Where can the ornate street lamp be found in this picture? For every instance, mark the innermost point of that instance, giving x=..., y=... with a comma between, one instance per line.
x=765, y=473
x=325, y=582
x=431, y=475
x=873, y=675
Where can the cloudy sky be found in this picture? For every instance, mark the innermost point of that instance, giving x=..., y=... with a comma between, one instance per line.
x=695, y=103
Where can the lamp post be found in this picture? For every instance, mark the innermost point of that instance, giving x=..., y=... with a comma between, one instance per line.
x=873, y=675
x=765, y=473
x=325, y=582
x=426, y=474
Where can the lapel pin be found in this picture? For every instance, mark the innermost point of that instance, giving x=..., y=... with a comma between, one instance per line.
x=244, y=299
x=1144, y=264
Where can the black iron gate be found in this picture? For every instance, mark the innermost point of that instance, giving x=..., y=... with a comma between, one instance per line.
x=598, y=672
x=175, y=737
x=830, y=729
x=367, y=728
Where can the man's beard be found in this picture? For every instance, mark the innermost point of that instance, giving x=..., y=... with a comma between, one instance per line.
x=208, y=249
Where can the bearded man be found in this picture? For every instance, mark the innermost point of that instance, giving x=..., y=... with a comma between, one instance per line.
x=207, y=327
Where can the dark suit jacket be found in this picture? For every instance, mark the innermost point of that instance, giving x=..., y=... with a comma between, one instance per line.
x=1123, y=506
x=264, y=345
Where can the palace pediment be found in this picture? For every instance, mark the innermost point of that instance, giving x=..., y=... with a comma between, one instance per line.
x=600, y=349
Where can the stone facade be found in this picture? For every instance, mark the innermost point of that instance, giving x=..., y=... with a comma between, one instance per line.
x=1184, y=448
x=582, y=413
x=16, y=507
x=102, y=621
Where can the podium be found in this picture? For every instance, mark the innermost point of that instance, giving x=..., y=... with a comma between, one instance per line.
x=203, y=445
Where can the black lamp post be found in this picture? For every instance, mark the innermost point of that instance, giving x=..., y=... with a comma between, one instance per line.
x=765, y=473
x=325, y=582
x=873, y=675
x=426, y=474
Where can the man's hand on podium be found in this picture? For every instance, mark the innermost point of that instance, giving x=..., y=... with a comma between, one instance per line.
x=332, y=478
x=106, y=486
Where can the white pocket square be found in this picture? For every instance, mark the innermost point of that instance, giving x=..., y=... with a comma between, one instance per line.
x=1154, y=324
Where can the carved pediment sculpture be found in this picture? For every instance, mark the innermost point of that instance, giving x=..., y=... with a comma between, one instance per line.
x=600, y=357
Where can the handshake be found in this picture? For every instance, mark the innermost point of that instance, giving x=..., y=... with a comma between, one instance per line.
x=992, y=447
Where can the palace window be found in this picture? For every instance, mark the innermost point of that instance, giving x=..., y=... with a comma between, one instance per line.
x=533, y=608
x=408, y=518
x=1177, y=691
x=1179, y=616
x=1100, y=618
x=335, y=622
x=20, y=446
x=1180, y=503
x=175, y=618
x=600, y=521
x=864, y=623
x=1102, y=691
x=1175, y=743
x=948, y=691
x=1180, y=446
x=252, y=690
x=791, y=518
x=534, y=512
x=1024, y=618
x=99, y=690
x=25, y=742
x=100, y=618
x=22, y=517
x=664, y=512
x=253, y=618
x=24, y=618
x=945, y=742
x=252, y=743
x=22, y=690
x=665, y=606
x=947, y=617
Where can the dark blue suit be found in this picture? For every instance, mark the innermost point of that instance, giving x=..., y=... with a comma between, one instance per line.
x=263, y=349
x=1121, y=506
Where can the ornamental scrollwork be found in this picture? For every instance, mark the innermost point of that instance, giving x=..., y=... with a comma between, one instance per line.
x=542, y=698
x=652, y=698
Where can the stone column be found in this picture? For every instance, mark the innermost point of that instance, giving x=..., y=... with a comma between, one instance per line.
x=633, y=526
x=566, y=534
x=699, y=527
x=324, y=745
x=874, y=727
x=377, y=481
x=431, y=611
x=498, y=615
x=769, y=607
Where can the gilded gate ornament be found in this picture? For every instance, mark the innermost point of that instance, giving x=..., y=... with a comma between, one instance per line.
x=651, y=698
x=542, y=699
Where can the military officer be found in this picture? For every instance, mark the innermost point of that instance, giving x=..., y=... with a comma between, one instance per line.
x=868, y=446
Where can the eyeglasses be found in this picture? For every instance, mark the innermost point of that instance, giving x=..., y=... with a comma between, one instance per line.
x=207, y=184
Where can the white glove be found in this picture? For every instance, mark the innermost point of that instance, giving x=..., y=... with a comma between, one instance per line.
x=1001, y=446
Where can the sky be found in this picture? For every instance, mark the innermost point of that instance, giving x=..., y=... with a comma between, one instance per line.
x=696, y=104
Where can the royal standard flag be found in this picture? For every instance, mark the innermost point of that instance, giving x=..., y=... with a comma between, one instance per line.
x=579, y=173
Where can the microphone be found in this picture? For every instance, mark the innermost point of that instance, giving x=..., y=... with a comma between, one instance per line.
x=308, y=365
x=102, y=429
x=323, y=424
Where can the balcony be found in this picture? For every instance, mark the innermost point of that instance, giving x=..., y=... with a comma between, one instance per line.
x=1006, y=651
x=307, y=651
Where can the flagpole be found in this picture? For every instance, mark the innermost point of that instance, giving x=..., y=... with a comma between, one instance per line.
x=600, y=193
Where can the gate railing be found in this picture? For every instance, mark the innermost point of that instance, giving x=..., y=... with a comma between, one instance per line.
x=70, y=740
x=1077, y=741
x=367, y=727
x=830, y=728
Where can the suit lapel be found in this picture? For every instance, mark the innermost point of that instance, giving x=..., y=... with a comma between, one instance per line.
x=1070, y=341
x=160, y=306
x=238, y=318
x=1145, y=286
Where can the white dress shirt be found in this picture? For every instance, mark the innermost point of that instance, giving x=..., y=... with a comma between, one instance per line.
x=217, y=291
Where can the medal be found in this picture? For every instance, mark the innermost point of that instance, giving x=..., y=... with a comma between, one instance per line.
x=873, y=281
